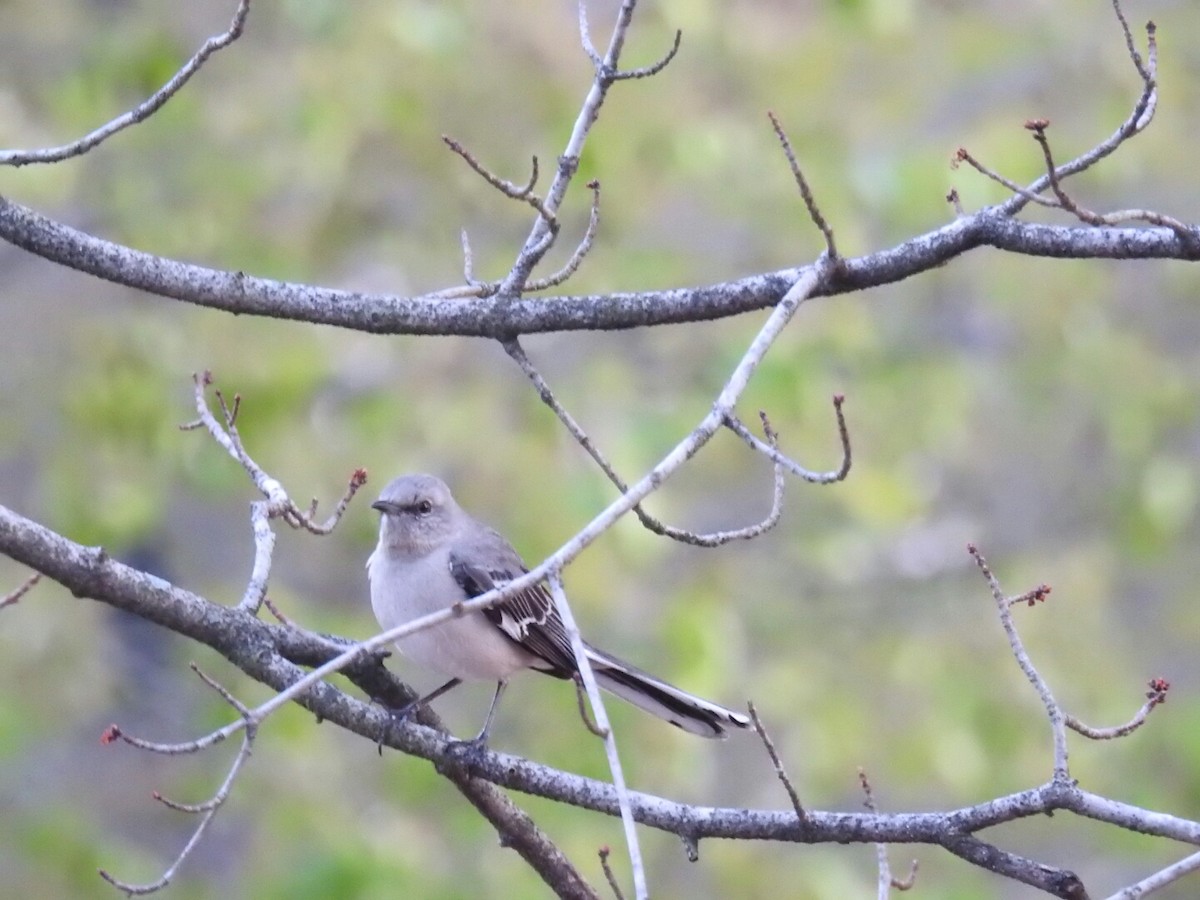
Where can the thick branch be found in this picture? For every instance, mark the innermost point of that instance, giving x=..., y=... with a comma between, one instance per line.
x=261, y=651
x=244, y=294
x=274, y=655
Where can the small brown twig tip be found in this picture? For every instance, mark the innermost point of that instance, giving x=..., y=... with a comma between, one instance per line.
x=972, y=549
x=838, y=400
x=113, y=732
x=1038, y=125
x=1033, y=597
x=1158, y=691
x=358, y=478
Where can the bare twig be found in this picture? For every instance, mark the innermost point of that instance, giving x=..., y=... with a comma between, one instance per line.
x=1038, y=128
x=208, y=809
x=780, y=771
x=581, y=699
x=1053, y=710
x=910, y=881
x=588, y=677
x=1031, y=597
x=653, y=68
x=143, y=110
x=541, y=235
x=20, y=591
x=585, y=245
x=1143, y=70
x=507, y=188
x=1137, y=121
x=609, y=875
x=715, y=539
x=1155, y=696
x=964, y=155
x=585, y=36
x=806, y=194
x=1160, y=879
x=1057, y=882
x=956, y=201
x=734, y=424
x=886, y=880
x=277, y=505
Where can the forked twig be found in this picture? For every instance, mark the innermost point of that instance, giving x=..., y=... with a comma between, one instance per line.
x=206, y=810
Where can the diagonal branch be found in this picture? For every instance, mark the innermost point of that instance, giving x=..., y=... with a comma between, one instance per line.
x=517, y=352
x=143, y=110
x=605, y=729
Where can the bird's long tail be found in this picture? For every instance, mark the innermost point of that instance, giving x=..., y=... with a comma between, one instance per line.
x=655, y=696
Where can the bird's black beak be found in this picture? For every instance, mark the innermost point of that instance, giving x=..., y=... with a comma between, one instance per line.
x=385, y=507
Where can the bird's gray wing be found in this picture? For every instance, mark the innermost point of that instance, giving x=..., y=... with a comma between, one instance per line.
x=530, y=618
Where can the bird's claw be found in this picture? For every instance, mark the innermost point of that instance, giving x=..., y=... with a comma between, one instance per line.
x=467, y=753
x=397, y=716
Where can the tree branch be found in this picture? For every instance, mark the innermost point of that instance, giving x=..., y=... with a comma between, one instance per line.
x=242, y=294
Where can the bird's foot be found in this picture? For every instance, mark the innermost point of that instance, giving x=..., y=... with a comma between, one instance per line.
x=468, y=754
x=397, y=716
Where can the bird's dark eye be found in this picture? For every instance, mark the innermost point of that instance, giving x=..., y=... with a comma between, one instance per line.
x=425, y=507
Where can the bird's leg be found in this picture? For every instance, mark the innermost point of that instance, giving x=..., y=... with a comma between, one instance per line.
x=400, y=714
x=471, y=750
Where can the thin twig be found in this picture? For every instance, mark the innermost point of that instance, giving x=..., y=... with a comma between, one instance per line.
x=780, y=771
x=806, y=194
x=1160, y=879
x=1066, y=202
x=143, y=110
x=581, y=251
x=209, y=808
x=734, y=424
x=653, y=68
x=609, y=875
x=1129, y=45
x=1137, y=121
x=588, y=677
x=581, y=699
x=1155, y=696
x=964, y=155
x=715, y=539
x=606, y=70
x=886, y=880
x=24, y=588
x=1053, y=710
x=507, y=188
x=277, y=505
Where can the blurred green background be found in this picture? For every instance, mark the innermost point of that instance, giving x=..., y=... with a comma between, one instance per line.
x=1046, y=410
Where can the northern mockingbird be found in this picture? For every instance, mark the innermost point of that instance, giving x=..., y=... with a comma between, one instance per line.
x=432, y=555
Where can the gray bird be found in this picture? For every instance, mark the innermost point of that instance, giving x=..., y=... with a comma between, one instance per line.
x=432, y=555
